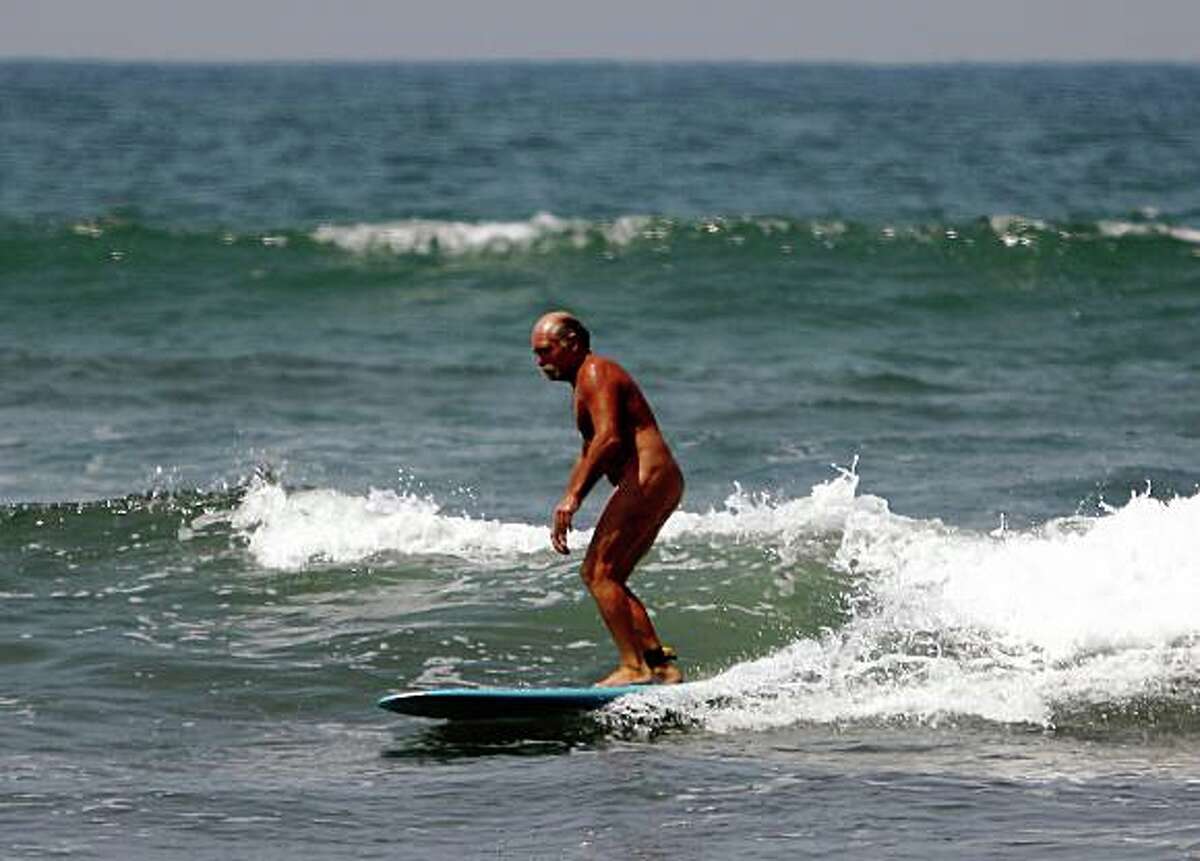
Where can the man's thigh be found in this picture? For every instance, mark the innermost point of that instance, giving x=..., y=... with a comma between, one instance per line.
x=625, y=532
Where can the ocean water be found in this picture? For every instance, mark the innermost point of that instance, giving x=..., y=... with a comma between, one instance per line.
x=924, y=340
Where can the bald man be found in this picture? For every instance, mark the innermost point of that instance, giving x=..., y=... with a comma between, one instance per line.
x=622, y=442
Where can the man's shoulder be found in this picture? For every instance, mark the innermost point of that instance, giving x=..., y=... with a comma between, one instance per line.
x=605, y=363
x=601, y=371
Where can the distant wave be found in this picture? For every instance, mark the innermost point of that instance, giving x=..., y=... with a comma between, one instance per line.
x=454, y=238
x=545, y=232
x=1121, y=229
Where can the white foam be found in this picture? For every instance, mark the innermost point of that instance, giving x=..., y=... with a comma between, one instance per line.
x=458, y=238
x=1121, y=229
x=826, y=509
x=1013, y=628
x=1075, y=586
x=545, y=231
x=292, y=530
x=834, y=680
x=1013, y=230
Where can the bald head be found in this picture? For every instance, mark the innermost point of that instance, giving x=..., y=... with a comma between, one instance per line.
x=560, y=344
x=564, y=326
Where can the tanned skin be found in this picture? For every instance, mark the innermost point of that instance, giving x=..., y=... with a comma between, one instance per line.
x=621, y=441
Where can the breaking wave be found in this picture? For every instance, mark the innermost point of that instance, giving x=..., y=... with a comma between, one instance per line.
x=1033, y=627
x=545, y=232
x=1024, y=627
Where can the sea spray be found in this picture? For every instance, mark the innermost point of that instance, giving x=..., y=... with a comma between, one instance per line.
x=1015, y=628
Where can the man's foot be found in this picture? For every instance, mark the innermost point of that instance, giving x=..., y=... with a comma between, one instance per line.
x=659, y=669
x=627, y=676
x=668, y=675
x=661, y=661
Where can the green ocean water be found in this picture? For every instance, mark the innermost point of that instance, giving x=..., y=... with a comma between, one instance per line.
x=272, y=444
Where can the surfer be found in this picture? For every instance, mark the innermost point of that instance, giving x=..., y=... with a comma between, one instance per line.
x=622, y=442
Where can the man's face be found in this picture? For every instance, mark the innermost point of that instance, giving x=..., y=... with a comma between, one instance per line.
x=552, y=354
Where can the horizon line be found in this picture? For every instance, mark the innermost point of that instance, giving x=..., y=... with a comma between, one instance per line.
x=597, y=60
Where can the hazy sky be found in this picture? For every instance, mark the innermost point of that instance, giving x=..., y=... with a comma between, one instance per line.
x=860, y=30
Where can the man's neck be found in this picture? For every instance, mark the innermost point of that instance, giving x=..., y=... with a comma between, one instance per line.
x=574, y=375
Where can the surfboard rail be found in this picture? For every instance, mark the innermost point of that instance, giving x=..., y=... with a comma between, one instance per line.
x=503, y=703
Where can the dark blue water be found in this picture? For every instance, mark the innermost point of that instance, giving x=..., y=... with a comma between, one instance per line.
x=272, y=444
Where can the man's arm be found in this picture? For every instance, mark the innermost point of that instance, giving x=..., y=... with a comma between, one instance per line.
x=598, y=392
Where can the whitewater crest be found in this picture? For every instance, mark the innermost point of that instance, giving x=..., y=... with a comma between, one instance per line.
x=292, y=529
x=545, y=232
x=1011, y=627
x=424, y=237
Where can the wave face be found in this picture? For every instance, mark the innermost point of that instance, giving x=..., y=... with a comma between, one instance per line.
x=999, y=242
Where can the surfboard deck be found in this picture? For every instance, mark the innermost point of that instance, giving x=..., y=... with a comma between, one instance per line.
x=504, y=703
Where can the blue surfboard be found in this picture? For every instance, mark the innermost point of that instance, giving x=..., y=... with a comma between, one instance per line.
x=504, y=703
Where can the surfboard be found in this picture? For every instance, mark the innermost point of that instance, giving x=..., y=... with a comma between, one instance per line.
x=504, y=703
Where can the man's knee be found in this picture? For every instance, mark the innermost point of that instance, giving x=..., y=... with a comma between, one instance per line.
x=596, y=572
x=593, y=572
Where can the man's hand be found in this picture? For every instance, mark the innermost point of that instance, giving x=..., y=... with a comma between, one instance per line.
x=563, y=513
